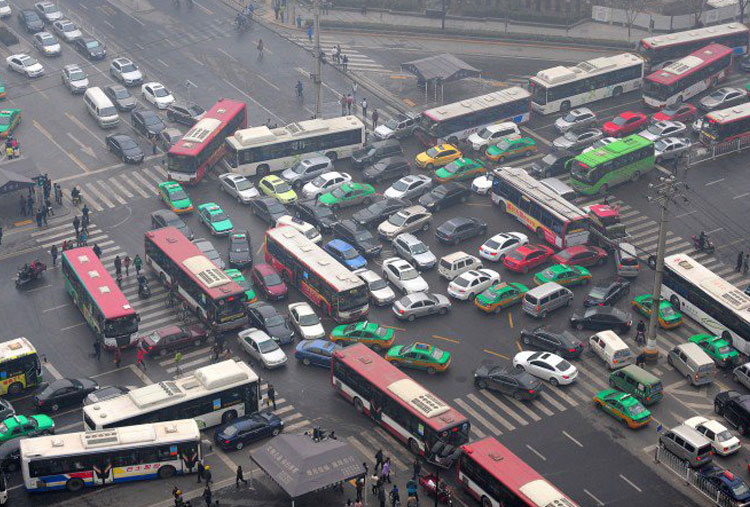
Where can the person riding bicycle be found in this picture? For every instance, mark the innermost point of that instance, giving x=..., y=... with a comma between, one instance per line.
x=299, y=88
x=75, y=194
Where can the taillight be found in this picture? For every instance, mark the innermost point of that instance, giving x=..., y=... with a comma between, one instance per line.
x=565, y=377
x=600, y=304
x=226, y=442
x=648, y=398
x=571, y=350
x=401, y=312
x=726, y=449
x=695, y=376
x=531, y=391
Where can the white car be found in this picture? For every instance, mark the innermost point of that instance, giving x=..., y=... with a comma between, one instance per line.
x=67, y=30
x=309, y=230
x=48, y=11
x=470, y=284
x=262, y=348
x=403, y=276
x=546, y=366
x=493, y=134
x=495, y=248
x=600, y=144
x=575, y=119
x=481, y=185
x=238, y=187
x=660, y=129
x=722, y=440
x=409, y=187
x=669, y=148
x=47, y=44
x=157, y=94
x=326, y=182
x=380, y=292
x=4, y=9
x=125, y=71
x=306, y=321
x=25, y=64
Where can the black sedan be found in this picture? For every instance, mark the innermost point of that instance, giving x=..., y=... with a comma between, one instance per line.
x=508, y=381
x=186, y=113
x=551, y=165
x=168, y=218
x=30, y=21
x=265, y=317
x=380, y=210
x=459, y=229
x=445, y=195
x=146, y=122
x=600, y=318
x=359, y=237
x=321, y=217
x=389, y=168
x=64, y=392
x=562, y=343
x=607, y=294
x=120, y=97
x=90, y=48
x=124, y=147
x=248, y=429
x=240, y=250
x=10, y=455
x=268, y=209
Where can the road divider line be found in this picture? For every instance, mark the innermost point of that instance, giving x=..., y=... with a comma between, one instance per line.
x=274, y=115
x=498, y=354
x=51, y=139
x=54, y=308
x=598, y=502
x=539, y=454
x=68, y=328
x=579, y=444
x=80, y=125
x=639, y=490
x=444, y=338
x=267, y=82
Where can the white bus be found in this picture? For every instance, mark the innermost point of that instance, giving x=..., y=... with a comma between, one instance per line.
x=708, y=299
x=561, y=88
x=212, y=395
x=261, y=151
x=455, y=122
x=73, y=461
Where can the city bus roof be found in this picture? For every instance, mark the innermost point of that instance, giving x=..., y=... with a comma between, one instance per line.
x=202, y=132
x=97, y=281
x=560, y=74
x=672, y=39
x=689, y=64
x=730, y=114
x=540, y=193
x=613, y=150
x=408, y=393
x=255, y=136
x=17, y=347
x=462, y=107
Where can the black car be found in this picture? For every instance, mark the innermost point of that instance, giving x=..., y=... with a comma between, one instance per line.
x=10, y=455
x=459, y=229
x=508, y=381
x=168, y=218
x=30, y=20
x=600, y=318
x=268, y=209
x=444, y=195
x=105, y=393
x=562, y=343
x=379, y=211
x=90, y=48
x=124, y=147
x=372, y=152
x=735, y=407
x=389, y=168
x=146, y=122
x=240, y=250
x=359, y=237
x=321, y=217
x=120, y=97
x=248, y=429
x=265, y=317
x=63, y=392
x=727, y=483
x=607, y=294
x=745, y=64
x=186, y=113
x=6, y=409
x=552, y=164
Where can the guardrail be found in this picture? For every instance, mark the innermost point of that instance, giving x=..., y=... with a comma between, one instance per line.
x=703, y=153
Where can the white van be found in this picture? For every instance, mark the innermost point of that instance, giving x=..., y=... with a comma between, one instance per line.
x=610, y=347
x=101, y=108
x=456, y=263
x=492, y=134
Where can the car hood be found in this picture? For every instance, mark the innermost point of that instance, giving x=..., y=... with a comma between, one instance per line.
x=315, y=331
x=132, y=75
x=424, y=258
x=388, y=228
x=392, y=193
x=383, y=131
x=289, y=175
x=224, y=225
x=276, y=356
x=415, y=285
x=282, y=332
x=482, y=371
x=562, y=141
x=135, y=151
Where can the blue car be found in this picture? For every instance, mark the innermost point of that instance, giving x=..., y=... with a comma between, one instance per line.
x=248, y=429
x=345, y=253
x=316, y=352
x=726, y=482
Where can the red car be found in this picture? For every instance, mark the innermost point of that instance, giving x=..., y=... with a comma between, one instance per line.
x=526, y=257
x=676, y=112
x=171, y=338
x=581, y=255
x=268, y=280
x=625, y=123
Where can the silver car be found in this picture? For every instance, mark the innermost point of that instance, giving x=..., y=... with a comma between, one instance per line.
x=400, y=126
x=380, y=292
x=415, y=251
x=306, y=169
x=75, y=78
x=660, y=129
x=67, y=30
x=577, y=140
x=575, y=119
x=126, y=72
x=238, y=187
x=420, y=304
x=671, y=147
x=722, y=98
x=47, y=44
x=409, y=187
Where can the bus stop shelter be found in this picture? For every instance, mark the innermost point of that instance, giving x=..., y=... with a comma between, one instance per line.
x=18, y=174
x=438, y=70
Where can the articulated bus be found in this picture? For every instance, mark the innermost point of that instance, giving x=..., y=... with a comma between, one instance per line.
x=660, y=50
x=726, y=124
x=562, y=88
x=20, y=367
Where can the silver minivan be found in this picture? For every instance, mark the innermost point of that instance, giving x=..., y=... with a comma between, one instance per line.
x=693, y=363
x=626, y=260
x=100, y=107
x=688, y=445
x=539, y=301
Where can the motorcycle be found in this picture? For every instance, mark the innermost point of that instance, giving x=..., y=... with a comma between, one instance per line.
x=144, y=291
x=708, y=245
x=434, y=487
x=30, y=272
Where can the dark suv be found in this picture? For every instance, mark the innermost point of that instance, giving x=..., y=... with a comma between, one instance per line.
x=562, y=343
x=735, y=407
x=508, y=381
x=552, y=164
x=372, y=152
x=358, y=236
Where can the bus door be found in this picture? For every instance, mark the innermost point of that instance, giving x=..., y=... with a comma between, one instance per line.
x=103, y=472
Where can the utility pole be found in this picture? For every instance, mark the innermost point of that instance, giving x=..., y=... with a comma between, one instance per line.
x=442, y=20
x=317, y=77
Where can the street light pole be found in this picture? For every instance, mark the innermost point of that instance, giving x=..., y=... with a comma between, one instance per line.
x=318, y=56
x=442, y=18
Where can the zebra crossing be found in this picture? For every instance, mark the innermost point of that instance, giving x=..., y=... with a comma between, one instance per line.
x=113, y=191
x=357, y=60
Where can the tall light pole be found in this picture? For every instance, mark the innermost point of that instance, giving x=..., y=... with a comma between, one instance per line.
x=318, y=57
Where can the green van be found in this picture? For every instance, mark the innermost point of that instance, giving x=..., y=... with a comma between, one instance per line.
x=638, y=382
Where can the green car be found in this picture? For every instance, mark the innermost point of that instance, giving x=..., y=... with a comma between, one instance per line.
x=624, y=407
x=215, y=219
x=668, y=316
x=500, y=296
x=239, y=278
x=348, y=194
x=563, y=274
x=461, y=169
x=9, y=120
x=23, y=426
x=511, y=148
x=371, y=334
x=2, y=88
x=720, y=350
x=419, y=355
x=175, y=197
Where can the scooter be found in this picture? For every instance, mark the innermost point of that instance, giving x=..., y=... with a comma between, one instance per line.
x=144, y=291
x=29, y=273
x=708, y=245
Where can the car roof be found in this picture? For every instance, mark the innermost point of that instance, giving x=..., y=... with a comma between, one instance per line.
x=339, y=244
x=409, y=238
x=167, y=330
x=264, y=269
x=122, y=60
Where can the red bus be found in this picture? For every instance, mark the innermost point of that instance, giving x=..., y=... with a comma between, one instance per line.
x=203, y=145
x=727, y=124
x=411, y=413
x=100, y=300
x=204, y=289
x=495, y=476
x=687, y=77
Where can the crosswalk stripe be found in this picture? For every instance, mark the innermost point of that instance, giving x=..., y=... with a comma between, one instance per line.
x=145, y=183
x=67, y=224
x=108, y=190
x=495, y=416
x=101, y=197
x=581, y=395
x=560, y=392
x=538, y=404
x=651, y=228
x=136, y=187
x=505, y=408
x=151, y=175
x=523, y=408
x=117, y=184
x=552, y=401
x=159, y=169
x=90, y=201
x=284, y=410
x=70, y=236
x=476, y=415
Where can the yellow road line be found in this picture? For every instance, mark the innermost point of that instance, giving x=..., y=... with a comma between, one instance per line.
x=446, y=339
x=394, y=328
x=23, y=222
x=510, y=319
x=409, y=103
x=394, y=76
x=487, y=351
x=520, y=349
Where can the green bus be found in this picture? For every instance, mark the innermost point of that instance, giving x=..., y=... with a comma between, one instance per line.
x=601, y=169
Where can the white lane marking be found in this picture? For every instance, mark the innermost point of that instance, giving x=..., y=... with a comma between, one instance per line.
x=103, y=198
x=598, y=502
x=741, y=195
x=497, y=417
x=122, y=189
x=136, y=187
x=505, y=408
x=140, y=374
x=639, y=490
x=145, y=183
x=526, y=410
x=109, y=190
x=151, y=175
x=579, y=444
x=476, y=415
x=714, y=182
x=52, y=370
x=539, y=454
x=274, y=115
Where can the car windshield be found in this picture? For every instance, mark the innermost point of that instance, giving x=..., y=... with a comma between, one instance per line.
x=338, y=193
x=391, y=124
x=177, y=195
x=619, y=121
x=218, y=216
x=318, y=182
x=493, y=244
x=398, y=219
x=668, y=311
x=275, y=320
x=571, y=136
x=724, y=349
x=453, y=167
x=267, y=346
x=401, y=186
x=740, y=490
x=660, y=145
x=243, y=185
x=637, y=409
x=31, y=16
x=240, y=246
x=195, y=110
x=362, y=236
x=161, y=92
x=571, y=117
x=432, y=152
x=272, y=279
x=485, y=133
x=461, y=281
x=69, y=27
x=298, y=168
x=3, y=429
x=488, y=294
x=378, y=284
x=78, y=75
x=409, y=274
x=92, y=44
x=419, y=248
x=309, y=319
x=723, y=436
x=515, y=254
x=276, y=208
x=718, y=94
x=349, y=254
x=4, y=120
x=598, y=293
x=282, y=187
x=128, y=67
x=655, y=129
x=48, y=41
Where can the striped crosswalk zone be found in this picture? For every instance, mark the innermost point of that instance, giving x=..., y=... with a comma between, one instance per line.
x=357, y=61
x=120, y=189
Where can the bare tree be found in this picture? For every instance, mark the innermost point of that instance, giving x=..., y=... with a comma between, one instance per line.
x=742, y=4
x=697, y=7
x=632, y=8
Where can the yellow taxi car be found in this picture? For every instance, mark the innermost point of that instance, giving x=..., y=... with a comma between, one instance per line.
x=438, y=156
x=275, y=187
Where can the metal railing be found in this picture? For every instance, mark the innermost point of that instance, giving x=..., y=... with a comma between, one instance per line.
x=702, y=153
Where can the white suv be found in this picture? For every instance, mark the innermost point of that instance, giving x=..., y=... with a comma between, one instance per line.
x=403, y=276
x=126, y=72
x=326, y=182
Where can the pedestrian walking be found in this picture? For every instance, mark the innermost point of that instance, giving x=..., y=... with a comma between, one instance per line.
x=153, y=144
x=746, y=264
x=118, y=357
x=239, y=477
x=177, y=359
x=45, y=212
x=141, y=355
x=342, y=101
x=309, y=33
x=640, y=359
x=207, y=495
x=30, y=204
x=53, y=253
x=271, y=395
x=395, y=496
x=355, y=89
x=48, y=205
x=417, y=467
x=76, y=224
x=126, y=262
x=137, y=263
x=201, y=470
x=85, y=211
x=381, y=496
x=364, y=109
x=118, y=265
x=360, y=486
x=375, y=117
x=282, y=11
x=740, y=259
x=386, y=471
x=344, y=62
x=276, y=8
x=207, y=475
x=97, y=250
x=9, y=151
x=98, y=349
x=39, y=219
x=58, y=194
x=23, y=201
x=378, y=461
x=349, y=102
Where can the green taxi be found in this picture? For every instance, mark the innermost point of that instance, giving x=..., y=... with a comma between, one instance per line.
x=23, y=426
x=2, y=88
x=719, y=349
x=511, y=148
x=9, y=120
x=275, y=187
x=461, y=169
x=563, y=274
x=500, y=296
x=237, y=276
x=373, y=335
x=623, y=407
x=348, y=194
x=174, y=197
x=668, y=317
x=215, y=219
x=422, y=356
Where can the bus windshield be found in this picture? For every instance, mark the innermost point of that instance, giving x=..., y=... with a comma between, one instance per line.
x=122, y=325
x=182, y=163
x=353, y=299
x=580, y=171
